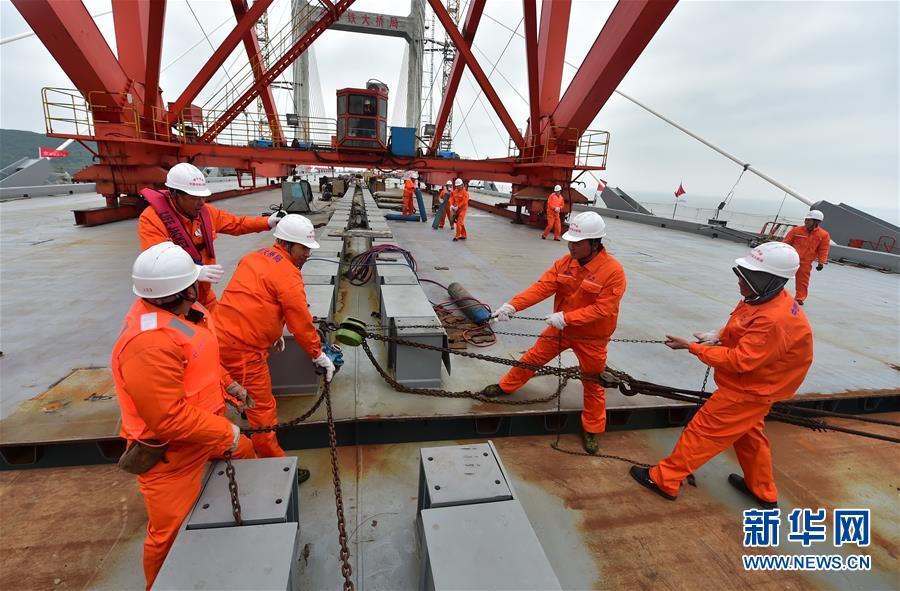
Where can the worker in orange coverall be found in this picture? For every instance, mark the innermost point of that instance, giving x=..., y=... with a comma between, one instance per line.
x=760, y=357
x=555, y=206
x=811, y=242
x=266, y=291
x=459, y=205
x=409, y=189
x=166, y=369
x=588, y=285
x=444, y=196
x=181, y=215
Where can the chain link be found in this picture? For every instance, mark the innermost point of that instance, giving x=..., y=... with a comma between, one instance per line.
x=346, y=569
x=233, y=490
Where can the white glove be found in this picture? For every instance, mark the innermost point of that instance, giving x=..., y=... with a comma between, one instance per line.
x=707, y=338
x=556, y=209
x=503, y=313
x=325, y=363
x=211, y=273
x=278, y=346
x=453, y=208
x=237, y=438
x=556, y=320
x=241, y=394
x=275, y=218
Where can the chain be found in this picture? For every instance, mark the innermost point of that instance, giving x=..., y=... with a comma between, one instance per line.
x=371, y=327
x=346, y=569
x=292, y=423
x=233, y=490
x=705, y=378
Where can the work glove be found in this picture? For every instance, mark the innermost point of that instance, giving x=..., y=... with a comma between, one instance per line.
x=324, y=362
x=237, y=438
x=240, y=393
x=557, y=209
x=278, y=346
x=211, y=273
x=503, y=313
x=556, y=320
x=275, y=218
x=707, y=338
x=819, y=267
x=453, y=208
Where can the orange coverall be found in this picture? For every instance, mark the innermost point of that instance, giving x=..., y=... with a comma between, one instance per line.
x=409, y=188
x=589, y=297
x=265, y=292
x=810, y=246
x=168, y=389
x=553, y=222
x=460, y=199
x=444, y=194
x=763, y=357
x=152, y=230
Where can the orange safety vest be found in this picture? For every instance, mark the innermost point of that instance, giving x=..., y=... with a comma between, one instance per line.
x=202, y=386
x=160, y=202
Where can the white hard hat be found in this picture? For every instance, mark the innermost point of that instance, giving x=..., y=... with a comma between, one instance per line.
x=458, y=182
x=188, y=178
x=449, y=183
x=162, y=270
x=585, y=225
x=815, y=214
x=557, y=189
x=415, y=174
x=776, y=258
x=296, y=228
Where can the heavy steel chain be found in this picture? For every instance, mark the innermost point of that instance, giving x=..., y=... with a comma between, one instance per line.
x=371, y=327
x=233, y=490
x=292, y=423
x=346, y=569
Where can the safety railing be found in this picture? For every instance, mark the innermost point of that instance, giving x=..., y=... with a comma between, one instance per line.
x=254, y=129
x=775, y=230
x=67, y=112
x=590, y=148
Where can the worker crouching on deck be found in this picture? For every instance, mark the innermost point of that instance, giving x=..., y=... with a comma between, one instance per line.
x=588, y=285
x=181, y=215
x=760, y=357
x=166, y=369
x=266, y=291
x=459, y=205
x=555, y=204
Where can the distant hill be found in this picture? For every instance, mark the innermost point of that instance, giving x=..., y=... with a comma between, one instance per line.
x=15, y=144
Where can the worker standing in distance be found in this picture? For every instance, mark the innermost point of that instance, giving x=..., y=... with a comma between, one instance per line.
x=266, y=291
x=459, y=204
x=811, y=242
x=444, y=200
x=587, y=285
x=181, y=215
x=165, y=365
x=409, y=188
x=555, y=203
x=760, y=357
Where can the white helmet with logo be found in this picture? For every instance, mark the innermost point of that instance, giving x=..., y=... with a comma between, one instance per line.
x=187, y=178
x=296, y=228
x=449, y=183
x=557, y=189
x=815, y=214
x=458, y=182
x=776, y=258
x=585, y=225
x=162, y=270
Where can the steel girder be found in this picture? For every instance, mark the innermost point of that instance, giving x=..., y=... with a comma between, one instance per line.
x=463, y=51
x=269, y=76
x=623, y=38
x=254, y=54
x=473, y=17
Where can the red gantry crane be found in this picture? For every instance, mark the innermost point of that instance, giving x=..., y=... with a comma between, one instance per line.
x=118, y=104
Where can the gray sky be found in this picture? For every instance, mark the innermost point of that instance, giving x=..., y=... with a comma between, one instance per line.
x=805, y=91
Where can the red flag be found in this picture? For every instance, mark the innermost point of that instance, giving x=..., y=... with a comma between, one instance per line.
x=50, y=153
x=680, y=191
x=601, y=184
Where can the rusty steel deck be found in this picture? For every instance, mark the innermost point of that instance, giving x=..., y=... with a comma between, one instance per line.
x=82, y=528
